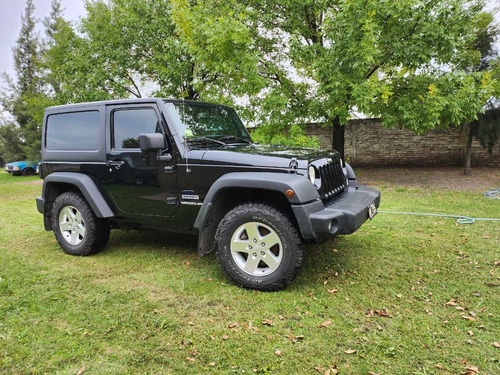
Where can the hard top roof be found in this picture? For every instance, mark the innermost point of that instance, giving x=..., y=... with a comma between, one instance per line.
x=123, y=101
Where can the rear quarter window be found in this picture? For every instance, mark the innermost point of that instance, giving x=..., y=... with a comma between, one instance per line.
x=73, y=131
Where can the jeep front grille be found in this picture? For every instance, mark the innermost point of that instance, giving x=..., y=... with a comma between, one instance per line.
x=333, y=180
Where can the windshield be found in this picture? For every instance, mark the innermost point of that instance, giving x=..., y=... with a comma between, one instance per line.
x=211, y=124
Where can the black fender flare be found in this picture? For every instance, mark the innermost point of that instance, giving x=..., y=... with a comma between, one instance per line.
x=304, y=191
x=87, y=186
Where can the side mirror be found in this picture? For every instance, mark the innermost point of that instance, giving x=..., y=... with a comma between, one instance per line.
x=152, y=142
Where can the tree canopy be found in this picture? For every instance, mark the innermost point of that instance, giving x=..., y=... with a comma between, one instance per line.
x=327, y=60
x=417, y=64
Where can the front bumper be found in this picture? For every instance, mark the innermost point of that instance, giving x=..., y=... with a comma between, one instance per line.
x=343, y=215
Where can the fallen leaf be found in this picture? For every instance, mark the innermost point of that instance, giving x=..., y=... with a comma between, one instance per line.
x=81, y=371
x=295, y=338
x=472, y=368
x=191, y=323
x=469, y=318
x=212, y=364
x=325, y=324
x=278, y=353
x=232, y=325
x=373, y=373
x=225, y=337
x=319, y=368
x=267, y=322
x=471, y=333
x=496, y=344
x=189, y=359
x=325, y=282
x=477, y=294
x=331, y=291
x=497, y=263
x=187, y=263
x=451, y=303
x=282, y=317
x=399, y=295
x=331, y=371
x=459, y=308
x=350, y=351
x=379, y=313
x=439, y=367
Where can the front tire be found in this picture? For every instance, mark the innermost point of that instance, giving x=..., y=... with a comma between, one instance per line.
x=28, y=171
x=258, y=247
x=76, y=228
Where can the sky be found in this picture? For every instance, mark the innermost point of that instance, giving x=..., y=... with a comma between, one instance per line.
x=10, y=24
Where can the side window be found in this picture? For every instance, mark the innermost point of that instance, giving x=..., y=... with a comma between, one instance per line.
x=73, y=131
x=129, y=123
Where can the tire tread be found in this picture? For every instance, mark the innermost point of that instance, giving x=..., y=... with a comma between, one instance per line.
x=290, y=232
x=98, y=230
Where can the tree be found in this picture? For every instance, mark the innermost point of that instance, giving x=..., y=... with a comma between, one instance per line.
x=54, y=26
x=26, y=53
x=309, y=60
x=26, y=88
x=123, y=46
x=10, y=143
x=484, y=128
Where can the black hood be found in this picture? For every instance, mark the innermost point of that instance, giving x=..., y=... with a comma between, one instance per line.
x=268, y=156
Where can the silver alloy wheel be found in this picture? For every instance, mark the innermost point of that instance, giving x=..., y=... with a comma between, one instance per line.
x=256, y=249
x=71, y=225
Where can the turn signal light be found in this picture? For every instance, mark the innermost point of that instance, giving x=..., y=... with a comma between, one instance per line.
x=290, y=193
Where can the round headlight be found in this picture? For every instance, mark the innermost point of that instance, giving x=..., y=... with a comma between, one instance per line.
x=312, y=174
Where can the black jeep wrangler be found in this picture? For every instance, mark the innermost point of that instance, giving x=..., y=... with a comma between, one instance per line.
x=191, y=167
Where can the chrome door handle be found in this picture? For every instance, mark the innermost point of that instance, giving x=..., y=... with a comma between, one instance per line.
x=115, y=163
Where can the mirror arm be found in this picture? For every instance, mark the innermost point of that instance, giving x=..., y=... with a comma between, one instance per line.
x=166, y=158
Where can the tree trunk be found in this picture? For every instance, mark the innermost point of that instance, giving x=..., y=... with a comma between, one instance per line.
x=468, y=153
x=338, y=137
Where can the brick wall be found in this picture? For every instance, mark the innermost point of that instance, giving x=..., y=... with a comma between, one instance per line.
x=367, y=143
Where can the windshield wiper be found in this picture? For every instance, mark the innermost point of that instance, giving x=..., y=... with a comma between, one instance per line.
x=238, y=138
x=194, y=139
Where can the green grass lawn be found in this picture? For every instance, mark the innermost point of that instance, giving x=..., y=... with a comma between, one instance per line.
x=404, y=295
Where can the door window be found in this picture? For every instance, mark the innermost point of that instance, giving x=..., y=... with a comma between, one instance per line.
x=129, y=123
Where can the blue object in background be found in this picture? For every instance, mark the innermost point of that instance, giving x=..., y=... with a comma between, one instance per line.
x=25, y=168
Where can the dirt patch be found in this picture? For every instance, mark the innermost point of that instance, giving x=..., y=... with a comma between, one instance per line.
x=481, y=179
x=32, y=182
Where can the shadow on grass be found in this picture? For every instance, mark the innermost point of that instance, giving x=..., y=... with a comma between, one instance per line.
x=332, y=259
x=151, y=240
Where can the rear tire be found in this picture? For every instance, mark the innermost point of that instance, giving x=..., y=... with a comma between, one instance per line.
x=258, y=247
x=76, y=228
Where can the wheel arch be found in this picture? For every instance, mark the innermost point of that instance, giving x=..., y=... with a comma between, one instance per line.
x=236, y=188
x=60, y=182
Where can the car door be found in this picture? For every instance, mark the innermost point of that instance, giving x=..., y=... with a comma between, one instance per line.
x=137, y=181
